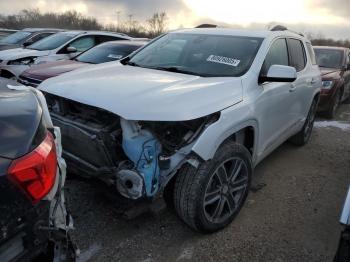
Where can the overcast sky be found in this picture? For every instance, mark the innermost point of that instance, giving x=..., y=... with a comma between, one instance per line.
x=326, y=17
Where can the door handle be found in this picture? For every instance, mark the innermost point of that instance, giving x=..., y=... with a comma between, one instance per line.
x=292, y=88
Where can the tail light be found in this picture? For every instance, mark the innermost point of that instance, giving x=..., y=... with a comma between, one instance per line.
x=35, y=173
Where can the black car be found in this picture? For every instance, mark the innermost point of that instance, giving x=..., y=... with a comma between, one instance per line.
x=25, y=37
x=33, y=217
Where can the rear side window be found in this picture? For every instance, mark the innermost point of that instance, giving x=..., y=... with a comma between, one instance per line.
x=83, y=43
x=311, y=52
x=296, y=54
x=277, y=55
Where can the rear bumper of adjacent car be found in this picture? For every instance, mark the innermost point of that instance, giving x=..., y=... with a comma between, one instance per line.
x=25, y=238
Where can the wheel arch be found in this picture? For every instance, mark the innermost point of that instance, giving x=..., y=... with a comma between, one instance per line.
x=245, y=133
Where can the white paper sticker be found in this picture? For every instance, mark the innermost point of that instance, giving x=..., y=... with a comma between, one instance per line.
x=223, y=60
x=115, y=56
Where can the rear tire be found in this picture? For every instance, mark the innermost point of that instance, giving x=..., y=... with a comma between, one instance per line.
x=209, y=197
x=331, y=112
x=303, y=136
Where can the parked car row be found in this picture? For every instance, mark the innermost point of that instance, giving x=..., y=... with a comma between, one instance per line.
x=188, y=115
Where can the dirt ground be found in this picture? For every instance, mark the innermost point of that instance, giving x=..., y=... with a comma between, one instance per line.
x=292, y=215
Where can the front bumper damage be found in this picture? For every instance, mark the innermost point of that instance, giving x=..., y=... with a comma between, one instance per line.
x=60, y=222
x=138, y=158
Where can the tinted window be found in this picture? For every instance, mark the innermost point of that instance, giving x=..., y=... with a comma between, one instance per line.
x=15, y=38
x=106, y=38
x=311, y=53
x=199, y=54
x=39, y=37
x=83, y=43
x=52, y=42
x=106, y=53
x=296, y=54
x=329, y=58
x=277, y=55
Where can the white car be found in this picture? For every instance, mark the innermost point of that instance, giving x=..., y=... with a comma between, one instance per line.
x=60, y=46
x=192, y=113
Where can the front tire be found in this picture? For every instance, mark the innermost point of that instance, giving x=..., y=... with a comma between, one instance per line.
x=209, y=197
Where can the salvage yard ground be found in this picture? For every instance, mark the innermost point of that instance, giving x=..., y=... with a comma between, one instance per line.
x=291, y=214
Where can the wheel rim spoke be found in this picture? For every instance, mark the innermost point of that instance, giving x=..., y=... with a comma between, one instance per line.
x=212, y=197
x=220, y=208
x=238, y=185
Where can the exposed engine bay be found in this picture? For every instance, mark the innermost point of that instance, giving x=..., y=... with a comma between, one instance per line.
x=138, y=157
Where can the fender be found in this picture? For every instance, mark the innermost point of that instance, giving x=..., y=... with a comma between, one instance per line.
x=211, y=139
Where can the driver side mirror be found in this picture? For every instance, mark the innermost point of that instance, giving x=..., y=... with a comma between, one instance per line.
x=279, y=73
x=71, y=49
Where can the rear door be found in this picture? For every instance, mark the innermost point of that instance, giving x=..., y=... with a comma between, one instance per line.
x=307, y=80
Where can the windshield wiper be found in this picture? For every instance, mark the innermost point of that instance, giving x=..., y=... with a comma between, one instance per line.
x=177, y=70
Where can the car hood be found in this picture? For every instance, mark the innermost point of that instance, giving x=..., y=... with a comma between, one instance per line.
x=20, y=115
x=18, y=53
x=8, y=46
x=330, y=73
x=51, y=69
x=136, y=93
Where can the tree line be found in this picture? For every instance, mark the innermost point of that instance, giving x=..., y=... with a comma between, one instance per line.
x=152, y=27
x=72, y=20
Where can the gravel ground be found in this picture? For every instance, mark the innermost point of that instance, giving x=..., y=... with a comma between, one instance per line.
x=292, y=217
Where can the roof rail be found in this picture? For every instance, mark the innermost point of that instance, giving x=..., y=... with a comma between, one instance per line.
x=279, y=28
x=283, y=28
x=206, y=26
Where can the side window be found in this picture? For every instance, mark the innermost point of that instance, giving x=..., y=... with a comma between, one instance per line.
x=296, y=54
x=38, y=37
x=277, y=55
x=83, y=43
x=106, y=38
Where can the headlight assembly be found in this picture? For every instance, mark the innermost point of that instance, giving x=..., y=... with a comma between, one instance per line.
x=23, y=61
x=327, y=84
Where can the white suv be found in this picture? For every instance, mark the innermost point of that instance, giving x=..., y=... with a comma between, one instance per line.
x=60, y=46
x=192, y=112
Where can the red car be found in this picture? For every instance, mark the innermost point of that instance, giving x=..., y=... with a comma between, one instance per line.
x=334, y=63
x=106, y=52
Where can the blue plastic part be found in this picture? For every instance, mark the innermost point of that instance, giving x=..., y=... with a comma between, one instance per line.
x=143, y=150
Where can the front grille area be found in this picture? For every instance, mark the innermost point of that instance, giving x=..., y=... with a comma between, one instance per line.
x=29, y=81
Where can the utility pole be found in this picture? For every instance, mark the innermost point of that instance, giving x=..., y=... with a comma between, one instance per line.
x=118, y=18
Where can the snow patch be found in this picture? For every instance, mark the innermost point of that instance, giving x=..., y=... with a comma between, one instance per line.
x=324, y=124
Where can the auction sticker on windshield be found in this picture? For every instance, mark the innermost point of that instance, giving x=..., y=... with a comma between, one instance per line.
x=223, y=60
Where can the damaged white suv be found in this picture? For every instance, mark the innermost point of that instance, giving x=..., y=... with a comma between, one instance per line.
x=191, y=113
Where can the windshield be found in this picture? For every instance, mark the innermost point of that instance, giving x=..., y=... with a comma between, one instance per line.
x=16, y=38
x=329, y=58
x=106, y=53
x=199, y=54
x=52, y=42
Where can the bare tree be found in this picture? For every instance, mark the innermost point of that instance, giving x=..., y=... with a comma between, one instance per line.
x=157, y=24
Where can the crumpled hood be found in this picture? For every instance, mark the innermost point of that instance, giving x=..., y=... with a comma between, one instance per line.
x=51, y=69
x=145, y=94
x=330, y=73
x=17, y=53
